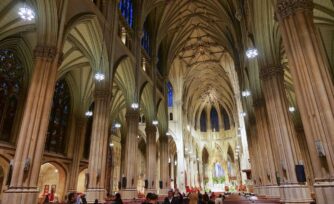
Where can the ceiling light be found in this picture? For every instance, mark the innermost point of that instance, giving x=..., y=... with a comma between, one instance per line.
x=26, y=13
x=138, y=136
x=135, y=105
x=175, y=163
x=168, y=134
x=111, y=144
x=188, y=127
x=89, y=114
x=292, y=109
x=251, y=53
x=246, y=93
x=117, y=125
x=243, y=114
x=169, y=160
x=155, y=122
x=99, y=76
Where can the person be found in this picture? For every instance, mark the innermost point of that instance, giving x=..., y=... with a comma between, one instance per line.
x=178, y=196
x=170, y=199
x=83, y=199
x=193, y=198
x=71, y=198
x=219, y=199
x=108, y=199
x=118, y=199
x=78, y=199
x=46, y=200
x=96, y=201
x=151, y=198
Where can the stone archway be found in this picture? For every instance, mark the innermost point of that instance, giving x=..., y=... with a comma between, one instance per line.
x=51, y=181
x=81, y=185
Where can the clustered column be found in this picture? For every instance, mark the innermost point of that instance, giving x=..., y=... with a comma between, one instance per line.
x=32, y=133
x=80, y=130
x=310, y=72
x=151, y=159
x=282, y=130
x=98, y=147
x=164, y=166
x=129, y=176
x=265, y=143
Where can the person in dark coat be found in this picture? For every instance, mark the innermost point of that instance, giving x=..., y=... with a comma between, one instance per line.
x=83, y=199
x=170, y=199
x=118, y=199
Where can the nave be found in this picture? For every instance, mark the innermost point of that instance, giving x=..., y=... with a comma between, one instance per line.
x=138, y=97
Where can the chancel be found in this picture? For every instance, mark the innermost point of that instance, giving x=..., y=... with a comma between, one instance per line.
x=190, y=100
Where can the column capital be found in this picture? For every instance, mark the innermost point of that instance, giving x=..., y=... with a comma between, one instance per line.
x=286, y=8
x=269, y=72
x=46, y=52
x=150, y=129
x=101, y=94
x=259, y=102
x=132, y=113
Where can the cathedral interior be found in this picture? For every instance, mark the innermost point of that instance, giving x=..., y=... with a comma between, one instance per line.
x=137, y=96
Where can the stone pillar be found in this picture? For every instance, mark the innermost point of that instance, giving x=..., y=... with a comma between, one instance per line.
x=129, y=174
x=314, y=89
x=253, y=150
x=98, y=148
x=116, y=162
x=266, y=142
x=151, y=157
x=200, y=173
x=32, y=132
x=282, y=131
x=164, y=177
x=80, y=131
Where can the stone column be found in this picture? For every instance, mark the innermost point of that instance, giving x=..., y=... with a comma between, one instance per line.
x=282, y=130
x=266, y=142
x=314, y=89
x=164, y=177
x=98, y=148
x=116, y=161
x=80, y=131
x=151, y=159
x=32, y=132
x=255, y=162
x=129, y=174
x=200, y=172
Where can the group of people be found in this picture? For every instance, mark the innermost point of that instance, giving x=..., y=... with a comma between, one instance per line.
x=193, y=198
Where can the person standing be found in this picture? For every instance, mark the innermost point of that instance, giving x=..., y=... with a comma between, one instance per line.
x=170, y=199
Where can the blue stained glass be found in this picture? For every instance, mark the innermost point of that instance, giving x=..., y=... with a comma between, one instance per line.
x=214, y=119
x=170, y=94
x=126, y=8
x=203, y=121
x=226, y=119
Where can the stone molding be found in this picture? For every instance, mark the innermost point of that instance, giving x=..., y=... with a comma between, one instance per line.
x=286, y=8
x=101, y=94
x=269, y=72
x=46, y=52
x=150, y=129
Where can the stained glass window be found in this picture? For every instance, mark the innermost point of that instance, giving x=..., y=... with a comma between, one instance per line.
x=203, y=121
x=170, y=94
x=214, y=119
x=226, y=119
x=146, y=41
x=59, y=117
x=126, y=7
x=11, y=77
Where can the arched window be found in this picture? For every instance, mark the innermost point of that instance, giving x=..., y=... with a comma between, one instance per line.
x=57, y=130
x=203, y=121
x=88, y=133
x=226, y=119
x=170, y=94
x=170, y=116
x=126, y=7
x=214, y=119
x=146, y=40
x=11, y=76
